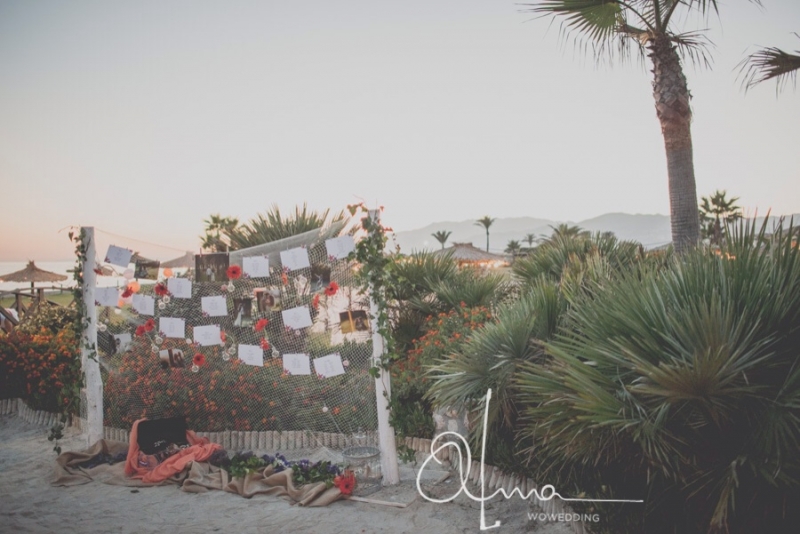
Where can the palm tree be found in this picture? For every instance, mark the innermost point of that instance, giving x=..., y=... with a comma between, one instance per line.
x=529, y=239
x=441, y=236
x=714, y=210
x=513, y=247
x=568, y=231
x=649, y=25
x=217, y=228
x=769, y=63
x=486, y=222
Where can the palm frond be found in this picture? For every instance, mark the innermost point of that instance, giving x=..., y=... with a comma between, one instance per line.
x=770, y=63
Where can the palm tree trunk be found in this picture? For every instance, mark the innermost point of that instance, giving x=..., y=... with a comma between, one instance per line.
x=487, y=239
x=672, y=97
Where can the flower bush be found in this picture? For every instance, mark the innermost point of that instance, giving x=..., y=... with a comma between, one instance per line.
x=444, y=334
x=43, y=368
x=231, y=395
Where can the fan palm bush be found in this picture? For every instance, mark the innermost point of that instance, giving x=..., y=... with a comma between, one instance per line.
x=552, y=257
x=490, y=360
x=273, y=226
x=680, y=386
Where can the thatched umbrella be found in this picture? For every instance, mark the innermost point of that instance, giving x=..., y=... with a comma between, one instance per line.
x=187, y=260
x=467, y=253
x=31, y=273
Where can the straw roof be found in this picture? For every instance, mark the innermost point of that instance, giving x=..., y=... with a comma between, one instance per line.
x=31, y=273
x=187, y=260
x=468, y=253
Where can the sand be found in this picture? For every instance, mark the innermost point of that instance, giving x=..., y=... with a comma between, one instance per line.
x=28, y=503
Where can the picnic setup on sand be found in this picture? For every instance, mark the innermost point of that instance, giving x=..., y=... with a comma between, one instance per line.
x=164, y=451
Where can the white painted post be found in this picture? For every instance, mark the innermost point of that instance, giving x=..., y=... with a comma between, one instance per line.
x=91, y=366
x=383, y=390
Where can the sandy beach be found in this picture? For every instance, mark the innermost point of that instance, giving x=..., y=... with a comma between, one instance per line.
x=29, y=503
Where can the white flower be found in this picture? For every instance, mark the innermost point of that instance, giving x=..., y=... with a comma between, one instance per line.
x=346, y=363
x=230, y=287
x=324, y=409
x=195, y=368
x=158, y=340
x=232, y=351
x=101, y=327
x=188, y=341
x=166, y=299
x=225, y=356
x=161, y=305
x=117, y=311
x=154, y=349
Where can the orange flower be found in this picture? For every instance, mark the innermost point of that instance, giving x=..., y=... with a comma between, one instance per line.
x=234, y=272
x=332, y=288
x=345, y=482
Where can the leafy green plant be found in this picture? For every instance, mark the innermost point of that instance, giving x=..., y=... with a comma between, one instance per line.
x=680, y=386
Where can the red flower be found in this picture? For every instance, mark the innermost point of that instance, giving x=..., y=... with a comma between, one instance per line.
x=285, y=279
x=223, y=336
x=315, y=302
x=161, y=290
x=199, y=359
x=140, y=330
x=261, y=324
x=234, y=272
x=332, y=288
x=149, y=325
x=345, y=482
x=127, y=293
x=265, y=344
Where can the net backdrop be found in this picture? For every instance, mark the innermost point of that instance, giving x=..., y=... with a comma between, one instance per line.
x=234, y=347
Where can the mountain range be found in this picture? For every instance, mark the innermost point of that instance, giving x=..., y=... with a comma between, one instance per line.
x=649, y=230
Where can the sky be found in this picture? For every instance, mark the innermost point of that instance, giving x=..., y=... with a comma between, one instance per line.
x=142, y=118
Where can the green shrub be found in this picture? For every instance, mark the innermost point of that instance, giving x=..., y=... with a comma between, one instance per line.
x=682, y=387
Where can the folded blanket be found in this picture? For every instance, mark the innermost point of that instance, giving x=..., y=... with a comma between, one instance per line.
x=195, y=476
x=138, y=465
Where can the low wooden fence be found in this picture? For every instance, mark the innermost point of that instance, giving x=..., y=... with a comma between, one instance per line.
x=269, y=441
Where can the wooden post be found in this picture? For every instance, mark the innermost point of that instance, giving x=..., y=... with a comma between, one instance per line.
x=383, y=390
x=89, y=356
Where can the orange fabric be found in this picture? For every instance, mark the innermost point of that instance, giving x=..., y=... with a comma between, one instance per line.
x=139, y=465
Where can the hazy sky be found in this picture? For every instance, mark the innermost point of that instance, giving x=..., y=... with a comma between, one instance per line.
x=144, y=117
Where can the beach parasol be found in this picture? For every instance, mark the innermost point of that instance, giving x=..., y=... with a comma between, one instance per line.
x=468, y=253
x=187, y=260
x=31, y=273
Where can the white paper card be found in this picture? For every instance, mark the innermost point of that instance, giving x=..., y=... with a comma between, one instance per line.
x=297, y=364
x=340, y=247
x=328, y=366
x=297, y=317
x=180, y=288
x=106, y=296
x=256, y=266
x=251, y=355
x=214, y=306
x=296, y=258
x=143, y=304
x=207, y=335
x=172, y=327
x=118, y=256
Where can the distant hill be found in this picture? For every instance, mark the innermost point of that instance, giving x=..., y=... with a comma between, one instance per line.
x=649, y=230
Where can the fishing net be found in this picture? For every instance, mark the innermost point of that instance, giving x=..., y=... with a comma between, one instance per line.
x=271, y=344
